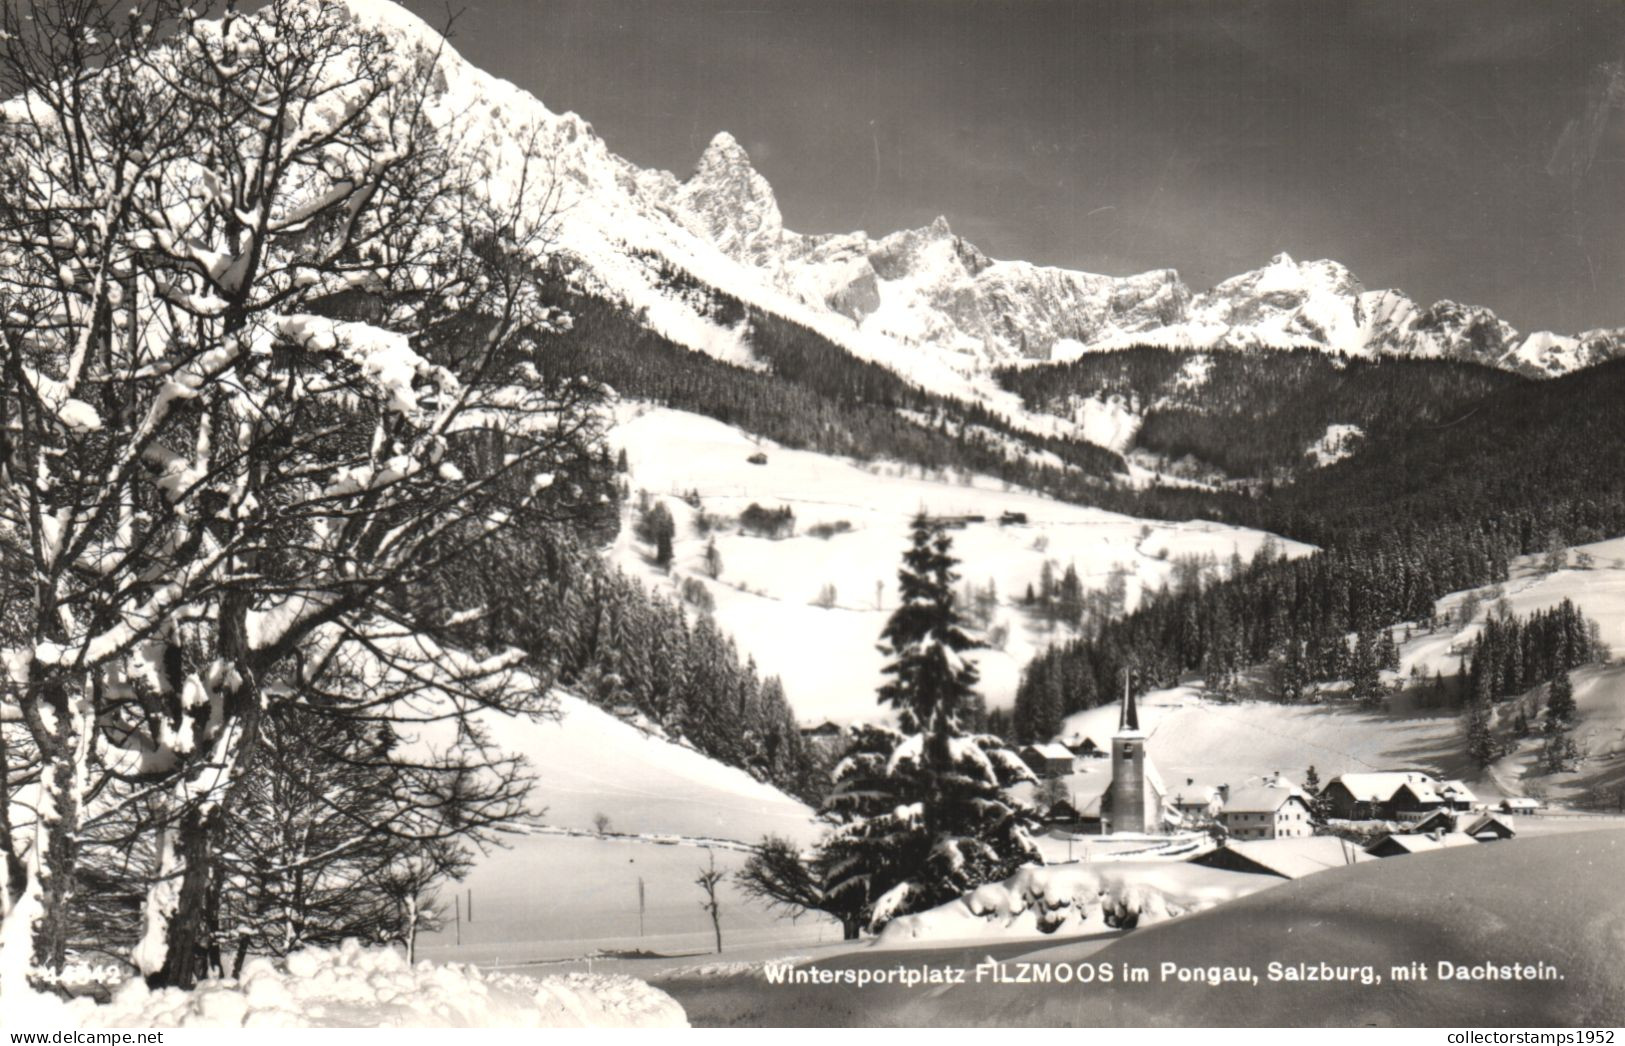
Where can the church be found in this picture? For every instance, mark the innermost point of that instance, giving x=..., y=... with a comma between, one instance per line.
x=1133, y=802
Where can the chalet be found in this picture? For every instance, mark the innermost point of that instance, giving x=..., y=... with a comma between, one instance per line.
x=1085, y=747
x=625, y=712
x=1047, y=760
x=1519, y=804
x=1273, y=811
x=1012, y=519
x=827, y=737
x=1397, y=844
x=1457, y=795
x=1490, y=828
x=1385, y=796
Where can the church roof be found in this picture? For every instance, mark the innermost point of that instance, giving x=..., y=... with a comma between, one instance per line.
x=1129, y=720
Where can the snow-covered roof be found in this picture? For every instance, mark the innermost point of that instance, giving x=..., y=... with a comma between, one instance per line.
x=1520, y=802
x=1380, y=787
x=1050, y=750
x=1261, y=799
x=1457, y=790
x=1295, y=858
x=1487, y=823
x=1421, y=843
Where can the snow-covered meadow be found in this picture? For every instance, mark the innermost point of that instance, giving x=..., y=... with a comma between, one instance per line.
x=767, y=590
x=549, y=895
x=355, y=987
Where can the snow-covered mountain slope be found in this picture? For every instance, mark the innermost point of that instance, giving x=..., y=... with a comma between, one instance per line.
x=1216, y=742
x=767, y=592
x=923, y=302
x=553, y=895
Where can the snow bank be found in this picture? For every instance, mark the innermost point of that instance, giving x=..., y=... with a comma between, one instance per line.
x=353, y=987
x=1063, y=898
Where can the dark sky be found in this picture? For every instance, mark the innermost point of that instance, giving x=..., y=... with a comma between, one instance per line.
x=1472, y=150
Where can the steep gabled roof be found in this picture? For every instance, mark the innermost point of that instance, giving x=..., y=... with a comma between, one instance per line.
x=1490, y=823
x=1261, y=799
x=1380, y=787
x=1421, y=843
x=1457, y=791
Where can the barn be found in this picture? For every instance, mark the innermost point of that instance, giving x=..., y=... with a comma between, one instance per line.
x=1397, y=844
x=1490, y=828
x=1047, y=760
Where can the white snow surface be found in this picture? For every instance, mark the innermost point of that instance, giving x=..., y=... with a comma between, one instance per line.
x=1068, y=899
x=355, y=987
x=551, y=894
x=1338, y=442
x=827, y=657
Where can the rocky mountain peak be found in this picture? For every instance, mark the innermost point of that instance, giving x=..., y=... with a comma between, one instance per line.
x=732, y=204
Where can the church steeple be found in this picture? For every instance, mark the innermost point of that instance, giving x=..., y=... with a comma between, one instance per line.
x=1129, y=718
x=1133, y=810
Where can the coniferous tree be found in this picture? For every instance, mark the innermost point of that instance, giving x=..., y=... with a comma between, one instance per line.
x=919, y=814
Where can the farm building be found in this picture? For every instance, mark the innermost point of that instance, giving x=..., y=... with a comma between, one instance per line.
x=1085, y=747
x=1047, y=760
x=1490, y=828
x=1270, y=811
x=1386, y=795
x=1519, y=804
x=1397, y=844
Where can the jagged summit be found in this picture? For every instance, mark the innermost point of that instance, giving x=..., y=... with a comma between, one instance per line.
x=925, y=302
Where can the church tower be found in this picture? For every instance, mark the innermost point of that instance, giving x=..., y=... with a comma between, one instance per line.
x=1128, y=769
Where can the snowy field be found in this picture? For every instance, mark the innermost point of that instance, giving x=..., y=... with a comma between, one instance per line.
x=551, y=896
x=353, y=987
x=1465, y=907
x=1073, y=899
x=767, y=589
x=1193, y=736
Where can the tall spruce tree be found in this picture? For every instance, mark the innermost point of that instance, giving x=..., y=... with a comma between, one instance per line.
x=919, y=814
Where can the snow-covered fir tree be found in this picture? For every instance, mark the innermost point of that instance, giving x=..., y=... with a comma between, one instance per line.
x=921, y=811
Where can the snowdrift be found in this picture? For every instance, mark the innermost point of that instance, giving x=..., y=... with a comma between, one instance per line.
x=1075, y=898
x=1498, y=904
x=355, y=987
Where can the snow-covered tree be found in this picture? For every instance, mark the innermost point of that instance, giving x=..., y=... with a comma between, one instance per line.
x=268, y=335
x=923, y=814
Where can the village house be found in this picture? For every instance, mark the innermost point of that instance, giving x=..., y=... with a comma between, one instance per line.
x=1519, y=804
x=1457, y=795
x=1047, y=760
x=1389, y=795
x=1275, y=810
x=1490, y=828
x=1085, y=747
x=826, y=737
x=1198, y=803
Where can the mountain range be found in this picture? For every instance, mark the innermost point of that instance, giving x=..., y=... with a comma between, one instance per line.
x=924, y=302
